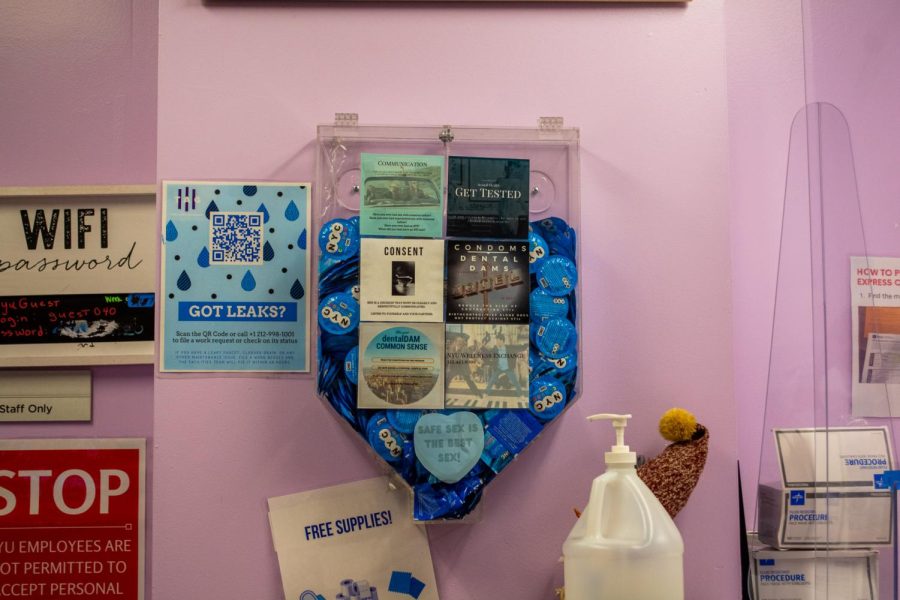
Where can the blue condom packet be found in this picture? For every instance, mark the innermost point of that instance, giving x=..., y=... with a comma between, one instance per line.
x=353, y=290
x=513, y=429
x=432, y=502
x=555, y=338
x=558, y=234
x=384, y=438
x=495, y=455
x=543, y=305
x=339, y=239
x=351, y=364
x=558, y=276
x=547, y=398
x=338, y=314
x=562, y=365
x=537, y=364
x=405, y=421
x=538, y=251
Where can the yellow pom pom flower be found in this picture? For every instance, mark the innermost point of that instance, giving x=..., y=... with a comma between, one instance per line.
x=677, y=425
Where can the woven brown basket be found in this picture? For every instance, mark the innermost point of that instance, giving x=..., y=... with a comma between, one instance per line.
x=674, y=474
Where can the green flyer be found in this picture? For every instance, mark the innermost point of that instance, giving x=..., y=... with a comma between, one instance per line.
x=402, y=195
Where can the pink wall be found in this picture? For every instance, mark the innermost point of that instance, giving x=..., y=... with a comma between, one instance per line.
x=765, y=90
x=653, y=187
x=78, y=106
x=240, y=92
x=241, y=89
x=79, y=92
x=780, y=56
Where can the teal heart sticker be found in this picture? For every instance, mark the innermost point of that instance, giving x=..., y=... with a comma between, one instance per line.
x=449, y=445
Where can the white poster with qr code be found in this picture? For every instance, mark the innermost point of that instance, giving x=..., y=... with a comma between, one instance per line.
x=234, y=277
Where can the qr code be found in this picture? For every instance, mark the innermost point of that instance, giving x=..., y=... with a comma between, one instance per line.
x=236, y=238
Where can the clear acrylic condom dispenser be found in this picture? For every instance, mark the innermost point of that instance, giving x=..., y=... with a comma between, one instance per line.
x=625, y=546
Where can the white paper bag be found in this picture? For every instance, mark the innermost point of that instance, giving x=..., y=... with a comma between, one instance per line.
x=355, y=541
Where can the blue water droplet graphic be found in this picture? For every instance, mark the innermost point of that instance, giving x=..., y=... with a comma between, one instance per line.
x=248, y=283
x=268, y=252
x=291, y=213
x=249, y=190
x=211, y=208
x=301, y=241
x=297, y=290
x=265, y=211
x=203, y=258
x=171, y=232
x=184, y=282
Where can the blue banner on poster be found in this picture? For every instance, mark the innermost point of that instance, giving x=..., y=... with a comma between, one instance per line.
x=237, y=311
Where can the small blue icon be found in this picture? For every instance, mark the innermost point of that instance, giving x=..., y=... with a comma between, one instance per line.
x=767, y=562
x=403, y=582
x=798, y=497
x=139, y=300
x=886, y=480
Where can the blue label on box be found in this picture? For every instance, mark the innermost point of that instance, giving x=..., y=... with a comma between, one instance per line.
x=798, y=498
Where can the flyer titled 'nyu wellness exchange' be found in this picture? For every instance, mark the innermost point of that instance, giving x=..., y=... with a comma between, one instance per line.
x=235, y=277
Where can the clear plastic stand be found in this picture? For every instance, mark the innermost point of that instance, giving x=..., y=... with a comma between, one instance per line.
x=809, y=377
x=553, y=182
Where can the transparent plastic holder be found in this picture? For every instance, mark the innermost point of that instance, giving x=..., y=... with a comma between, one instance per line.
x=551, y=149
x=809, y=392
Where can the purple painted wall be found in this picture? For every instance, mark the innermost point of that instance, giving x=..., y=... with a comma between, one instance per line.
x=647, y=87
x=782, y=55
x=78, y=107
x=79, y=92
x=765, y=90
x=242, y=87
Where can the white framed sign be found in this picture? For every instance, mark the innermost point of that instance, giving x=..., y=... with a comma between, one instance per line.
x=77, y=275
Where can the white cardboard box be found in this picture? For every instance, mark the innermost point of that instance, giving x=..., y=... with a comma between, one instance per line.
x=827, y=496
x=838, y=456
x=808, y=575
x=816, y=518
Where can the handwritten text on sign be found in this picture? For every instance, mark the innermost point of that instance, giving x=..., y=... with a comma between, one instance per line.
x=77, y=268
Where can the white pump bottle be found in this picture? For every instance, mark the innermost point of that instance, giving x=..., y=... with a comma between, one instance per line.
x=625, y=546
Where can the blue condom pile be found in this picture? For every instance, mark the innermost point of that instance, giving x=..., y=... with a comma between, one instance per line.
x=552, y=363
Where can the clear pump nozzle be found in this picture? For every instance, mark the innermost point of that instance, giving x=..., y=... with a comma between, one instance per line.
x=620, y=453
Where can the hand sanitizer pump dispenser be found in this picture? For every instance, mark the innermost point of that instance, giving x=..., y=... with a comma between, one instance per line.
x=625, y=546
